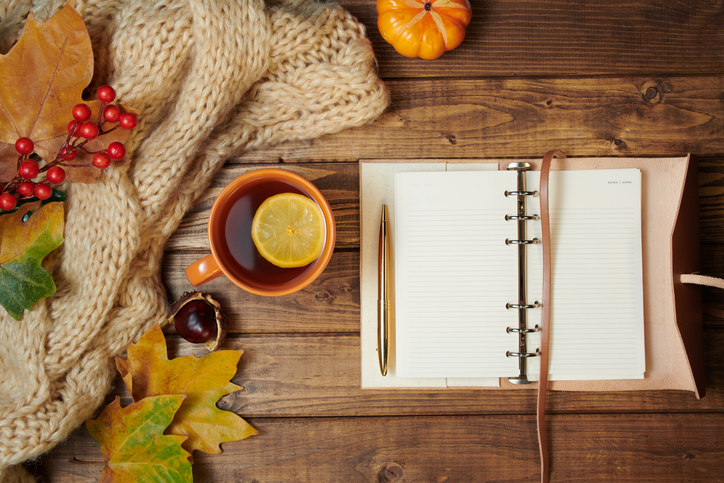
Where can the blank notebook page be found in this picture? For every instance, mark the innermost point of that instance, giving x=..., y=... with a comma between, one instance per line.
x=597, y=329
x=454, y=274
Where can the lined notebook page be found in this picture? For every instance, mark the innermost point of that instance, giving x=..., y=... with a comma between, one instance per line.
x=597, y=329
x=454, y=274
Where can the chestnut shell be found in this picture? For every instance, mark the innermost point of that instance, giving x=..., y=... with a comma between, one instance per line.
x=218, y=314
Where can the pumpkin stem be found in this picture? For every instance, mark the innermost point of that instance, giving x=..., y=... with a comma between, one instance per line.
x=428, y=6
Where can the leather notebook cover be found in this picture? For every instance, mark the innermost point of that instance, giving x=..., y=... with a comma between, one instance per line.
x=670, y=242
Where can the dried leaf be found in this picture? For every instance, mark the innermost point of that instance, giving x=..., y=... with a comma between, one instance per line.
x=44, y=76
x=23, y=245
x=8, y=161
x=149, y=372
x=133, y=445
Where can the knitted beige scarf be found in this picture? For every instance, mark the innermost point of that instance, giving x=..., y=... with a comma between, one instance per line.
x=211, y=79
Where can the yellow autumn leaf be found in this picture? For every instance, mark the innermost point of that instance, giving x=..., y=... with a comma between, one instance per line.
x=149, y=372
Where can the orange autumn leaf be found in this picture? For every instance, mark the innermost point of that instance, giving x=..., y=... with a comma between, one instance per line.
x=44, y=76
x=149, y=372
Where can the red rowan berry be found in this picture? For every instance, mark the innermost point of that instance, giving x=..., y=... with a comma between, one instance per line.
x=28, y=169
x=89, y=130
x=8, y=201
x=43, y=191
x=111, y=113
x=26, y=188
x=68, y=155
x=127, y=121
x=116, y=150
x=24, y=146
x=55, y=175
x=106, y=94
x=74, y=128
x=81, y=112
x=101, y=160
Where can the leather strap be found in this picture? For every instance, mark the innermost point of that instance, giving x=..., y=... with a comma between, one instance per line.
x=546, y=311
x=697, y=279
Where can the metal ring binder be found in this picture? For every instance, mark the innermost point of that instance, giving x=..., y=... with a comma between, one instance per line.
x=526, y=217
x=519, y=192
x=520, y=217
x=534, y=241
x=534, y=305
x=522, y=354
x=527, y=331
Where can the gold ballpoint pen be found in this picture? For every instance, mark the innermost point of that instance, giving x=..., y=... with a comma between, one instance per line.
x=383, y=292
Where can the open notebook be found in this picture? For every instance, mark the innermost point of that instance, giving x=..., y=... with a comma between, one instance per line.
x=455, y=274
x=672, y=326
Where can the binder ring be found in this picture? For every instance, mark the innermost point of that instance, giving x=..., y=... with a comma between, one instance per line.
x=521, y=193
x=534, y=305
x=534, y=241
x=522, y=331
x=521, y=217
x=523, y=354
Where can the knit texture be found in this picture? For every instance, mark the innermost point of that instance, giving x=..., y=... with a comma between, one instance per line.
x=211, y=79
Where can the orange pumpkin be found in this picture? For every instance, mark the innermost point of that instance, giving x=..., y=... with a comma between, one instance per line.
x=423, y=28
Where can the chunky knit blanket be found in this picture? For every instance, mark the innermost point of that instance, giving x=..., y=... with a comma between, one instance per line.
x=211, y=79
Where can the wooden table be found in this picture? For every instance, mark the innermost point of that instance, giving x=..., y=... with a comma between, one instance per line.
x=593, y=78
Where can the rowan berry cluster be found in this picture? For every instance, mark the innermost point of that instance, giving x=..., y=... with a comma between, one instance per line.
x=29, y=183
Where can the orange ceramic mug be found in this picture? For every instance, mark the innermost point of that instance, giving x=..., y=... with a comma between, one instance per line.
x=232, y=250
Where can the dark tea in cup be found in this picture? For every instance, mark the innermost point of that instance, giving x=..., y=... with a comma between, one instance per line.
x=233, y=252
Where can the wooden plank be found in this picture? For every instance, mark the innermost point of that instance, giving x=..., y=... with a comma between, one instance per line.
x=471, y=118
x=591, y=448
x=338, y=182
x=329, y=304
x=300, y=376
x=711, y=208
x=559, y=38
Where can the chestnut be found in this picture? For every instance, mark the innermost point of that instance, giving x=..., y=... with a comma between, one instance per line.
x=198, y=318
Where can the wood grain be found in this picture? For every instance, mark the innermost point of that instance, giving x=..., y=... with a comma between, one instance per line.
x=711, y=210
x=513, y=117
x=621, y=447
x=319, y=376
x=329, y=304
x=614, y=78
x=339, y=182
x=563, y=38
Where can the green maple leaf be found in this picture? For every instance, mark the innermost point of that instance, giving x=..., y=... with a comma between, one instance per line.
x=133, y=444
x=23, y=245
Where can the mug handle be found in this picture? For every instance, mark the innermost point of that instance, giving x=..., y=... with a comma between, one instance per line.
x=204, y=270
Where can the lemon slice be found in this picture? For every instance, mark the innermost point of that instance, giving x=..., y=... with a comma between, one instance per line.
x=288, y=230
